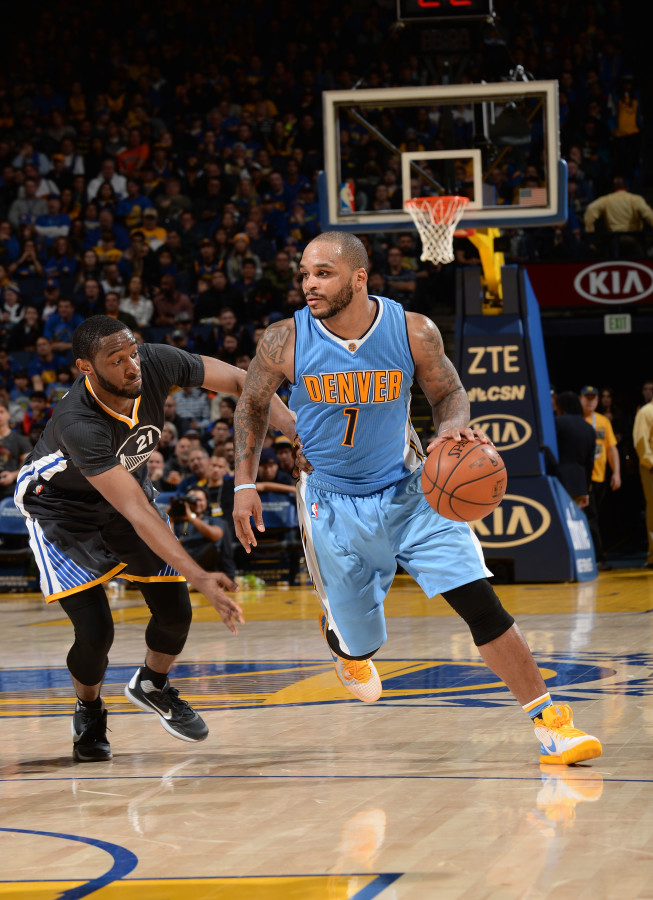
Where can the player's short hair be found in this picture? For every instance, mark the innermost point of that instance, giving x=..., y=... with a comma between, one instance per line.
x=88, y=336
x=352, y=248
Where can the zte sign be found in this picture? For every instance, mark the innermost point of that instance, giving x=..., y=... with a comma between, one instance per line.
x=614, y=282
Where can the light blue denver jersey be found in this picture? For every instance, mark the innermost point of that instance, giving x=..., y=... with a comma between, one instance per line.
x=352, y=400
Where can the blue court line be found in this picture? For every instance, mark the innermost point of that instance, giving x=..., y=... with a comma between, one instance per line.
x=534, y=777
x=124, y=862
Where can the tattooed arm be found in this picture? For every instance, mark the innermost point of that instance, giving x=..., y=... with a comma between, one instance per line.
x=225, y=379
x=274, y=361
x=439, y=380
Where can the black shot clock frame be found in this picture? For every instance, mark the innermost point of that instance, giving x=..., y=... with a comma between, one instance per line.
x=444, y=10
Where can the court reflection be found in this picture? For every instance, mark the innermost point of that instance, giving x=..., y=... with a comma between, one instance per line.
x=564, y=788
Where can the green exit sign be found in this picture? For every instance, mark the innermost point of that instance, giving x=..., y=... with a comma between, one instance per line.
x=617, y=323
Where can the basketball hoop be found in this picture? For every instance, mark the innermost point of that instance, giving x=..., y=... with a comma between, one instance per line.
x=436, y=218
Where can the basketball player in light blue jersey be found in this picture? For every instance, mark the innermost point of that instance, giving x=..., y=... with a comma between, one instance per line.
x=351, y=359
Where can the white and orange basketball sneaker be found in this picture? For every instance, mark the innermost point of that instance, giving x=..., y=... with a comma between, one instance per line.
x=359, y=676
x=562, y=744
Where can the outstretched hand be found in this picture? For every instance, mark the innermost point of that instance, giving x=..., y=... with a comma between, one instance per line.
x=247, y=503
x=213, y=585
x=456, y=434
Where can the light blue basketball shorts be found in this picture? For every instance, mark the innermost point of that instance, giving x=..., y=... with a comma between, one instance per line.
x=353, y=544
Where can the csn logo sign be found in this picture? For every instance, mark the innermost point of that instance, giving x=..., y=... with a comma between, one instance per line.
x=614, y=282
x=506, y=432
x=517, y=521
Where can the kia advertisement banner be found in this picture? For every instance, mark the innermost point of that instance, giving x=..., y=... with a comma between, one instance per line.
x=601, y=284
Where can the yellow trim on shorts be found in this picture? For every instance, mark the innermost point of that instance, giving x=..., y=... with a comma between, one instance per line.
x=82, y=587
x=153, y=578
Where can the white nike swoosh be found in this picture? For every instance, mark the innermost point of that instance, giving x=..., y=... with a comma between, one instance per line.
x=166, y=715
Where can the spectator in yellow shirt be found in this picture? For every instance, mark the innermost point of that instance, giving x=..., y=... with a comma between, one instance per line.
x=605, y=452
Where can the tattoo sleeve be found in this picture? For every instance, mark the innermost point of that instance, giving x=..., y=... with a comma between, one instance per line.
x=437, y=377
x=266, y=372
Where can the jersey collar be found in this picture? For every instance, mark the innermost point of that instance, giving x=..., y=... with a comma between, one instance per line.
x=131, y=421
x=350, y=345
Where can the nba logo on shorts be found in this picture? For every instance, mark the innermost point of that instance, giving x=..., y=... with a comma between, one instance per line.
x=313, y=510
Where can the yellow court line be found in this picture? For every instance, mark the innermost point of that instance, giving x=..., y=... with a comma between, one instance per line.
x=283, y=887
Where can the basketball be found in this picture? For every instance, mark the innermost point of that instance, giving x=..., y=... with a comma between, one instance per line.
x=464, y=480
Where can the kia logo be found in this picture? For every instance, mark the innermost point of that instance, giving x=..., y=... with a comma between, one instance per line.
x=517, y=521
x=614, y=282
x=506, y=432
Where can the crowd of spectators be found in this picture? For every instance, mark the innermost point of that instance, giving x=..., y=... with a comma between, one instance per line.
x=160, y=166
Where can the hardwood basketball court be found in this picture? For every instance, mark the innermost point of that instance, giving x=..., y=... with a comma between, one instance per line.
x=303, y=793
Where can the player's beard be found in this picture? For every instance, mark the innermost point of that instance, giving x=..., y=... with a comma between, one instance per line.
x=129, y=393
x=338, y=302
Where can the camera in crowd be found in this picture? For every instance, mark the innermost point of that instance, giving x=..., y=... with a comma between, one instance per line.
x=178, y=507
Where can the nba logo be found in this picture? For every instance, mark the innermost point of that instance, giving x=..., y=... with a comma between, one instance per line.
x=347, y=202
x=313, y=510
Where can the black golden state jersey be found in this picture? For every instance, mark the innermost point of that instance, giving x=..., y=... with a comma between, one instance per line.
x=85, y=438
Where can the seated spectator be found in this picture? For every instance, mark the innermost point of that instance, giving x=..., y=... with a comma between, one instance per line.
x=220, y=492
x=59, y=388
x=112, y=280
x=193, y=404
x=130, y=209
x=154, y=234
x=177, y=467
x=106, y=250
x=208, y=262
x=92, y=303
x=28, y=207
x=399, y=279
x=167, y=442
x=170, y=414
x=60, y=326
x=198, y=463
x=38, y=413
x=136, y=303
x=270, y=477
x=24, y=333
x=220, y=295
x=239, y=253
x=43, y=368
x=199, y=533
x=285, y=451
x=14, y=448
x=169, y=302
x=62, y=261
x=132, y=159
x=19, y=395
x=53, y=223
x=139, y=259
x=220, y=432
x=155, y=466
x=108, y=173
x=28, y=264
x=113, y=309
x=12, y=309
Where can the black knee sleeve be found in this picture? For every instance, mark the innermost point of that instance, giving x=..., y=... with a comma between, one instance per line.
x=334, y=643
x=91, y=617
x=169, y=603
x=480, y=607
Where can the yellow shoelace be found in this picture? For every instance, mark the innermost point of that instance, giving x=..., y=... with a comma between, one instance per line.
x=561, y=720
x=358, y=670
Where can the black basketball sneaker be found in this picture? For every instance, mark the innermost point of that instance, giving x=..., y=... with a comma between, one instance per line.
x=177, y=717
x=89, y=730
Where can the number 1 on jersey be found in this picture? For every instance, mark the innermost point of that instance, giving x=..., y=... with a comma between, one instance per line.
x=352, y=415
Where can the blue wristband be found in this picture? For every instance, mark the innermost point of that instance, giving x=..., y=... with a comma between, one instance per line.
x=241, y=487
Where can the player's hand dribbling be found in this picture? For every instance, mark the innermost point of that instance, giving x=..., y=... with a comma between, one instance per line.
x=456, y=434
x=213, y=585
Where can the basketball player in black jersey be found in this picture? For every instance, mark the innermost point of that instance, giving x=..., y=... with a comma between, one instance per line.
x=88, y=503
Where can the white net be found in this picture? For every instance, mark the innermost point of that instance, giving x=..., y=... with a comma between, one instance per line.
x=436, y=219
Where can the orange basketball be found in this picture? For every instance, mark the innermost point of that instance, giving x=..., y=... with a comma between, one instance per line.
x=464, y=480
